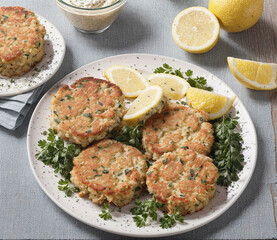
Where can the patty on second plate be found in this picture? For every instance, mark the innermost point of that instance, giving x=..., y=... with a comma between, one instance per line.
x=21, y=40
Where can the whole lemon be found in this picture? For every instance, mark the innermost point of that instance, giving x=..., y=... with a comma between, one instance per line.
x=236, y=15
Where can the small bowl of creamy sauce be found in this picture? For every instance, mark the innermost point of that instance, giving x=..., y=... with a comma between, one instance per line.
x=91, y=16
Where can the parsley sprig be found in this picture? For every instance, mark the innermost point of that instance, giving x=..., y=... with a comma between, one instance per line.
x=131, y=135
x=168, y=221
x=145, y=209
x=227, y=150
x=56, y=153
x=64, y=185
x=198, y=82
x=148, y=209
x=106, y=212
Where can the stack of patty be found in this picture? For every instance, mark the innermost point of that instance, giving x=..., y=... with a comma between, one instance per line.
x=107, y=170
x=182, y=176
x=178, y=139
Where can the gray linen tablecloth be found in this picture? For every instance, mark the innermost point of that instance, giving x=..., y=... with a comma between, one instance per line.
x=13, y=110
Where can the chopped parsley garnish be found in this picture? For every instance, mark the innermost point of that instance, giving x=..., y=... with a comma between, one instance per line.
x=26, y=55
x=185, y=147
x=106, y=212
x=87, y=115
x=56, y=153
x=5, y=18
x=57, y=121
x=227, y=150
x=198, y=82
x=164, y=161
x=137, y=189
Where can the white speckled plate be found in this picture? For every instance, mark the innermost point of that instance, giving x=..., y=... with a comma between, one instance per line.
x=42, y=71
x=122, y=223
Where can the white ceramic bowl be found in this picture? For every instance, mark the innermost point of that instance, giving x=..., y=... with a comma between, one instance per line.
x=91, y=20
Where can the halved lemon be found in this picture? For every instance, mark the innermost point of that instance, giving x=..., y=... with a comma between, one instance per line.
x=196, y=30
x=149, y=102
x=254, y=75
x=214, y=104
x=131, y=82
x=174, y=87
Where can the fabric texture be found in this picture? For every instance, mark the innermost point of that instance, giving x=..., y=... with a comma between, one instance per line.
x=14, y=109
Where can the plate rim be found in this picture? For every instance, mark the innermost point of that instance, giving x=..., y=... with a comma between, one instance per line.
x=164, y=234
x=14, y=93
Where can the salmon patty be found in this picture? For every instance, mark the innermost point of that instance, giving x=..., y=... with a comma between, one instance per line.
x=110, y=171
x=87, y=110
x=21, y=40
x=183, y=179
x=177, y=126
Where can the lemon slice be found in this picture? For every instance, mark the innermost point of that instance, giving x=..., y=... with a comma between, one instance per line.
x=149, y=102
x=254, y=75
x=131, y=82
x=174, y=87
x=214, y=104
x=196, y=30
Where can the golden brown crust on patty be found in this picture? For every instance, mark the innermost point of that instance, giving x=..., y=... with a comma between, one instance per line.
x=87, y=110
x=175, y=127
x=183, y=179
x=21, y=40
x=110, y=171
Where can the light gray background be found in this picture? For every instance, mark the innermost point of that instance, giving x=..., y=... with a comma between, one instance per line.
x=144, y=26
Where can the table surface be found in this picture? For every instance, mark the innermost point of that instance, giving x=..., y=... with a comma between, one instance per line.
x=145, y=27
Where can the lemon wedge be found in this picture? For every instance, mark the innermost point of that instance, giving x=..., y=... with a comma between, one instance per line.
x=131, y=82
x=214, y=104
x=254, y=75
x=149, y=102
x=174, y=87
x=196, y=30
